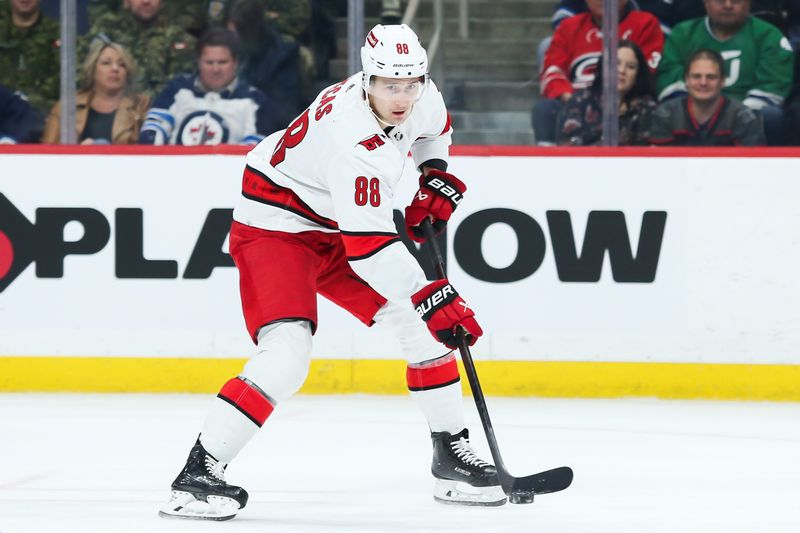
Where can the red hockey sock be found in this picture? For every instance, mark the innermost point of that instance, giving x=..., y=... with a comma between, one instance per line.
x=240, y=410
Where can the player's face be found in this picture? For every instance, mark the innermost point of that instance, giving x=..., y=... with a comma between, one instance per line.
x=217, y=67
x=627, y=68
x=704, y=81
x=144, y=9
x=392, y=99
x=110, y=73
x=728, y=14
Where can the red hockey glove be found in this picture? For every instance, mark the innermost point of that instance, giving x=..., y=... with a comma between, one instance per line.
x=443, y=310
x=438, y=196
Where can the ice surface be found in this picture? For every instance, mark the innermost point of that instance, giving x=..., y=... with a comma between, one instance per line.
x=103, y=463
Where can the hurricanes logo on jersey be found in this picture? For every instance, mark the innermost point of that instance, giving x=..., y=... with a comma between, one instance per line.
x=584, y=68
x=372, y=143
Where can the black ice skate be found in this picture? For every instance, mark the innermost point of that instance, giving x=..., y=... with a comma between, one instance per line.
x=200, y=491
x=463, y=478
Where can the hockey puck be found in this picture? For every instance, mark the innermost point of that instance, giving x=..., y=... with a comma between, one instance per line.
x=520, y=496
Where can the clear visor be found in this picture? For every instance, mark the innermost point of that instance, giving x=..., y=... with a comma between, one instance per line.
x=409, y=90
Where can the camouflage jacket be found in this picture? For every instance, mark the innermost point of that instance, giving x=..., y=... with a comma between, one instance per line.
x=293, y=16
x=162, y=50
x=30, y=58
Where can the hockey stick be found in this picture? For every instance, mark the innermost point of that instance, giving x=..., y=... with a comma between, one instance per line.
x=518, y=489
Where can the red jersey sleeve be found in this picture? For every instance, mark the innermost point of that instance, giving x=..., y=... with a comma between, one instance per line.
x=554, y=78
x=650, y=38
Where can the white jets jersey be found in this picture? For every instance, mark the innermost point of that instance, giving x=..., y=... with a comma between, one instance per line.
x=185, y=113
x=335, y=170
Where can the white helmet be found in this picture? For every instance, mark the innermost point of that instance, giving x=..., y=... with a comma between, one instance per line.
x=393, y=52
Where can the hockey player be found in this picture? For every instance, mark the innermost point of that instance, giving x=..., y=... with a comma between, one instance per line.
x=315, y=217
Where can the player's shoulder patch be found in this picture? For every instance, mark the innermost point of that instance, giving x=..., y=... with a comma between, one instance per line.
x=373, y=142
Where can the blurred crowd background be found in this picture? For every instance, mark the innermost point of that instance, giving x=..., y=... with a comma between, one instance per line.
x=522, y=72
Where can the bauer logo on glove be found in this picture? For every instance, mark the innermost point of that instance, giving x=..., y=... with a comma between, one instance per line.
x=438, y=196
x=444, y=311
x=445, y=295
x=448, y=191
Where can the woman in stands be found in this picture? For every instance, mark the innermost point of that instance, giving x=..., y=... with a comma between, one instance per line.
x=581, y=121
x=107, y=110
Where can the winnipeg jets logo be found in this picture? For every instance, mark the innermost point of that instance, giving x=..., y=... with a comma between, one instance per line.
x=203, y=128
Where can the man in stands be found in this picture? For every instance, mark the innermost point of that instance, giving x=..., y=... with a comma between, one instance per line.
x=214, y=107
x=162, y=49
x=705, y=117
x=758, y=59
x=29, y=53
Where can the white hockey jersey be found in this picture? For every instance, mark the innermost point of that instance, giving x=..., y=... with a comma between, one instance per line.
x=187, y=114
x=335, y=170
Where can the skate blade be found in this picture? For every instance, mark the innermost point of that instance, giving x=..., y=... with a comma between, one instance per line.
x=184, y=505
x=459, y=493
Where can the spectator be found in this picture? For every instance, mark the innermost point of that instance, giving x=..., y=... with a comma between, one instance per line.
x=162, y=49
x=705, y=117
x=291, y=19
x=668, y=12
x=758, y=59
x=571, y=59
x=107, y=110
x=582, y=118
x=29, y=52
x=268, y=62
x=213, y=107
x=19, y=123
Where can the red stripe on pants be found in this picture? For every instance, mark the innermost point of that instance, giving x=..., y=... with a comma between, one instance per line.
x=434, y=374
x=251, y=402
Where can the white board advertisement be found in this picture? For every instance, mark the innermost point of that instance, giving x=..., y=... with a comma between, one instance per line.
x=563, y=258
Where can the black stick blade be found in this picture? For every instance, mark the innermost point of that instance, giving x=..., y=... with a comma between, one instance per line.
x=542, y=483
